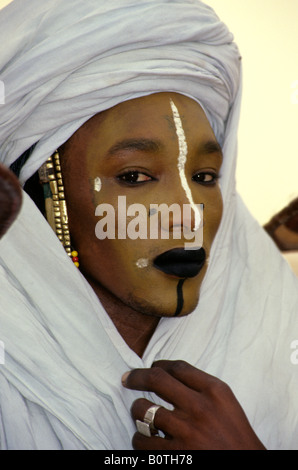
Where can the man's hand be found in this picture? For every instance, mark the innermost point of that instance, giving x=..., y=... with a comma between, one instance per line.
x=206, y=414
x=10, y=198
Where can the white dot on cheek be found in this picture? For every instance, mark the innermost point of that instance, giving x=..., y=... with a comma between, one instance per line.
x=97, y=184
x=142, y=263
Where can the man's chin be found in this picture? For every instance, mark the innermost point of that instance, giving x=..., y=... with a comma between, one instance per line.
x=162, y=310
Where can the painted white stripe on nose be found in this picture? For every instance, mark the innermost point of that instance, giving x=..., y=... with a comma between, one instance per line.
x=182, y=157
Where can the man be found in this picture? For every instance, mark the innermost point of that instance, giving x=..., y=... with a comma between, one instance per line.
x=146, y=111
x=283, y=228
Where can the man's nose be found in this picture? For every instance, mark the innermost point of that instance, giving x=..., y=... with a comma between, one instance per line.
x=184, y=214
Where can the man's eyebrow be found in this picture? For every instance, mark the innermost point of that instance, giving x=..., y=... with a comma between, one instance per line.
x=149, y=145
x=211, y=146
x=145, y=145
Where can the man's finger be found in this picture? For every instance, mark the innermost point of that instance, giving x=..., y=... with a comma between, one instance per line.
x=187, y=374
x=164, y=419
x=159, y=381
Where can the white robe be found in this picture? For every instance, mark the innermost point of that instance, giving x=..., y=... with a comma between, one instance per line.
x=60, y=384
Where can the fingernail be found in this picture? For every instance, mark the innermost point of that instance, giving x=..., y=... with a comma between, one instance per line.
x=124, y=378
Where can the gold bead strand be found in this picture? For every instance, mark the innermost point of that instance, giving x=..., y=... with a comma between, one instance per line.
x=50, y=175
x=62, y=228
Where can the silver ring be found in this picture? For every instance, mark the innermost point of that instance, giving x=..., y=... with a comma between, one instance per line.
x=146, y=427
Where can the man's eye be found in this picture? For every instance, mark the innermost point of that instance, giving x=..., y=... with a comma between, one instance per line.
x=207, y=178
x=134, y=177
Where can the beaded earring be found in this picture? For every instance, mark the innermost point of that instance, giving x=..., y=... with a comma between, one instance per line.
x=55, y=204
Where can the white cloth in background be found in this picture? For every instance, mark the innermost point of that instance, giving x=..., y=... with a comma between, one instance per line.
x=60, y=386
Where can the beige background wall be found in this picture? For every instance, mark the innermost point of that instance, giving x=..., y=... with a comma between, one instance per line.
x=267, y=34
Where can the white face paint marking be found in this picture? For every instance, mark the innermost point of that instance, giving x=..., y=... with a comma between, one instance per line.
x=97, y=184
x=182, y=161
x=142, y=263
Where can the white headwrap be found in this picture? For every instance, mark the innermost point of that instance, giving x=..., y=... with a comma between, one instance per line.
x=63, y=62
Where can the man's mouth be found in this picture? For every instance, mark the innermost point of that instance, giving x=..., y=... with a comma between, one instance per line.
x=180, y=262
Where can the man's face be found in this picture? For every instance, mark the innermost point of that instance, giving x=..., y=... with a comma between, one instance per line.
x=133, y=151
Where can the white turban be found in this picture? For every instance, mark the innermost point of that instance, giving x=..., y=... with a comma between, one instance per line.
x=80, y=58
x=63, y=62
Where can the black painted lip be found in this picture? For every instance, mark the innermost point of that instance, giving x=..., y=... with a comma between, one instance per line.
x=180, y=262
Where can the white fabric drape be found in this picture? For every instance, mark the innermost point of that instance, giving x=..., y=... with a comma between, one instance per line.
x=60, y=386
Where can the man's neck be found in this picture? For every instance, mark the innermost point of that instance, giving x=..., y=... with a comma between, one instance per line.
x=135, y=328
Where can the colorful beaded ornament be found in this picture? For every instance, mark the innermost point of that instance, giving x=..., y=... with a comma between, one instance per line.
x=55, y=204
